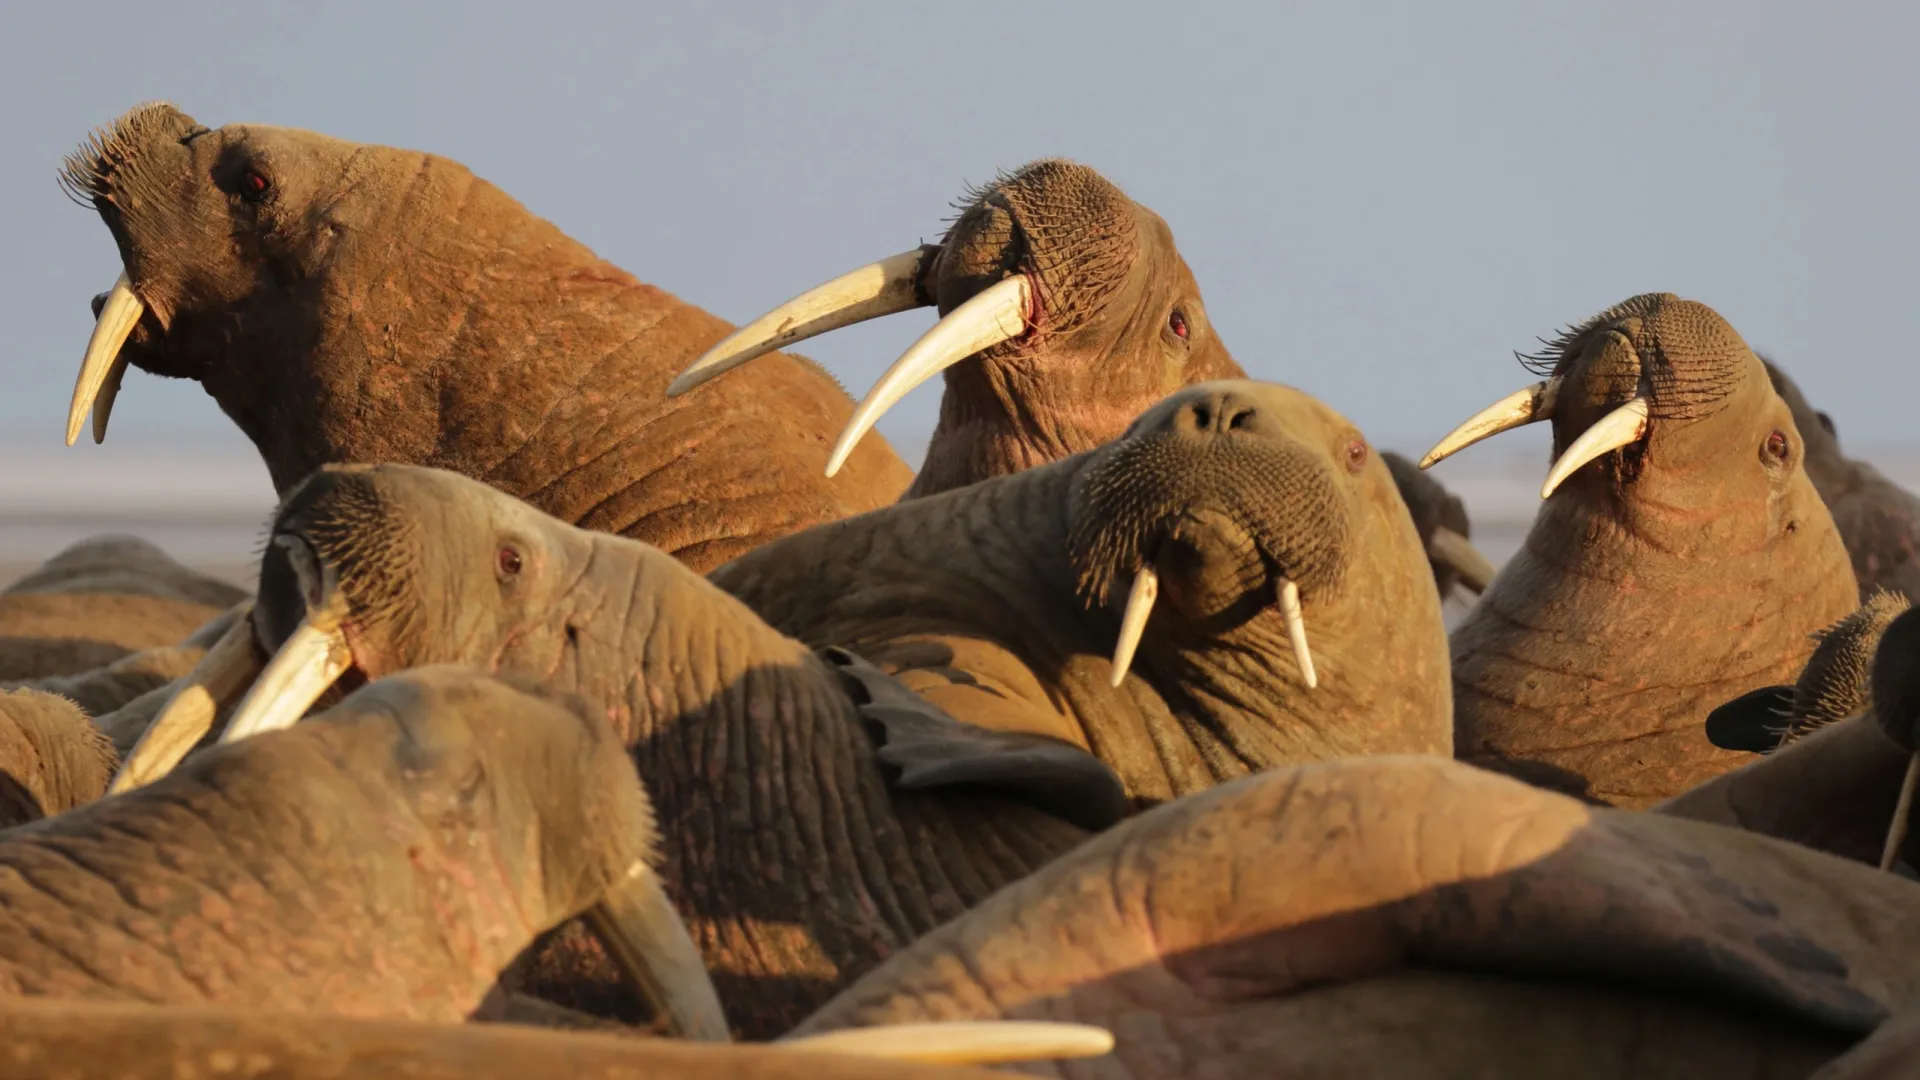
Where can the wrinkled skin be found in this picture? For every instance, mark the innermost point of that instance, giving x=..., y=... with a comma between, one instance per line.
x=98, y=602
x=1325, y=920
x=1114, y=325
x=1833, y=686
x=1878, y=519
x=52, y=758
x=1657, y=582
x=1001, y=602
x=517, y=356
x=66, y=1040
x=105, y=690
x=388, y=859
x=1101, y=347
x=1836, y=788
x=798, y=856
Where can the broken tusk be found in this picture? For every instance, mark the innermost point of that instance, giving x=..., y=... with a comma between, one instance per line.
x=1897, y=830
x=1146, y=589
x=646, y=939
x=1297, y=632
x=887, y=287
x=1622, y=427
x=1450, y=549
x=996, y=314
x=962, y=1042
x=1518, y=409
x=313, y=658
x=213, y=684
x=102, y=365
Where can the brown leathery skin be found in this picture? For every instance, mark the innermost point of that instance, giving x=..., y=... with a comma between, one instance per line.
x=1001, y=602
x=1837, y=788
x=1324, y=920
x=389, y=858
x=1107, y=281
x=379, y=304
x=1658, y=581
x=98, y=601
x=52, y=758
x=74, y=1040
x=1878, y=519
x=1892, y=1052
x=793, y=862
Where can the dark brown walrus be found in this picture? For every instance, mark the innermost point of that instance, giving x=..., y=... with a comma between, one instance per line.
x=347, y=302
x=1066, y=311
x=1681, y=559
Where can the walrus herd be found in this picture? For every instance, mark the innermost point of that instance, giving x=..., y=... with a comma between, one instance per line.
x=614, y=701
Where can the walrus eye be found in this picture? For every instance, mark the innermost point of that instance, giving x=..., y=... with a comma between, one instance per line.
x=1357, y=454
x=254, y=186
x=508, y=562
x=1776, y=446
x=1177, y=323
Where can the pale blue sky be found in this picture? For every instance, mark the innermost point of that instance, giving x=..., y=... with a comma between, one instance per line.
x=1381, y=201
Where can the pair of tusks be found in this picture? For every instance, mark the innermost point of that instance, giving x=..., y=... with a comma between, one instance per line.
x=1146, y=589
x=102, y=368
x=635, y=920
x=1623, y=426
x=997, y=314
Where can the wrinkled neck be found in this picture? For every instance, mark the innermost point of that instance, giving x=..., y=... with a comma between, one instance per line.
x=1007, y=415
x=794, y=865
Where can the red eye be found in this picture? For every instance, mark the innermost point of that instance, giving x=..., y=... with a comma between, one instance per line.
x=508, y=561
x=253, y=185
x=1177, y=323
x=1357, y=454
x=1776, y=446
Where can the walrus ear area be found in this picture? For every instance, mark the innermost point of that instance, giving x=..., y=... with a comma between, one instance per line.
x=923, y=748
x=1753, y=722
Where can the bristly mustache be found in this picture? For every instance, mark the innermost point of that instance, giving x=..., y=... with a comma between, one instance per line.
x=86, y=175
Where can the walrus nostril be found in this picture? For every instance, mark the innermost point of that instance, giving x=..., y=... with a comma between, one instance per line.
x=1238, y=416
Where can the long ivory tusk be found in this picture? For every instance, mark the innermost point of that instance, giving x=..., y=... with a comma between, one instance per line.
x=1297, y=632
x=963, y=1042
x=1518, y=409
x=1451, y=549
x=312, y=659
x=645, y=937
x=996, y=314
x=1622, y=427
x=887, y=287
x=213, y=684
x=1902, y=808
x=102, y=363
x=1146, y=589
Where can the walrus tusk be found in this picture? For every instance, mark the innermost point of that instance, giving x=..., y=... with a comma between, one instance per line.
x=1622, y=427
x=1451, y=549
x=646, y=939
x=102, y=366
x=997, y=313
x=213, y=684
x=887, y=287
x=1897, y=830
x=1146, y=589
x=1518, y=409
x=311, y=660
x=1297, y=632
x=961, y=1042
